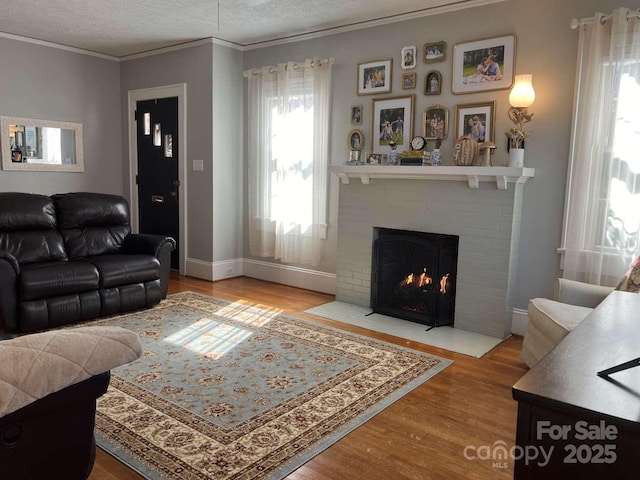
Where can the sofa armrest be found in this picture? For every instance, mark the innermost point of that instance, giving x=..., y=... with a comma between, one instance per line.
x=580, y=293
x=157, y=245
x=148, y=244
x=9, y=271
x=34, y=366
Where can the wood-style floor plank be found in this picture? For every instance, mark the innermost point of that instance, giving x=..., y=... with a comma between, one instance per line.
x=423, y=435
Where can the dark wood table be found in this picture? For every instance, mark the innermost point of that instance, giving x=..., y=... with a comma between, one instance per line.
x=592, y=423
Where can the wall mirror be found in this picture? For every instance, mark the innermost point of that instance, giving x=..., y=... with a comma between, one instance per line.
x=41, y=145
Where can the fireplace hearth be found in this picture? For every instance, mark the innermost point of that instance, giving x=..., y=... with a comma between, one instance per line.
x=414, y=275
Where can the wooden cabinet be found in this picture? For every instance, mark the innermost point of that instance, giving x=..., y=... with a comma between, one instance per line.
x=573, y=423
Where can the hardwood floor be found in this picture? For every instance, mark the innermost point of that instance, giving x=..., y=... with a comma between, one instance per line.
x=421, y=436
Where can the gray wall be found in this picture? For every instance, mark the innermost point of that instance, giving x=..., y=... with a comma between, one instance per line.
x=546, y=48
x=193, y=67
x=228, y=187
x=213, y=76
x=52, y=84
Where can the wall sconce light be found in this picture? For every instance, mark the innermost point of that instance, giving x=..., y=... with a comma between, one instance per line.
x=521, y=98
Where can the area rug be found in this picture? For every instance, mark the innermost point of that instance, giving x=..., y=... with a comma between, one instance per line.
x=238, y=391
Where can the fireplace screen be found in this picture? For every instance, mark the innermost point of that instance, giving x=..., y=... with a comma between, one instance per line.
x=414, y=275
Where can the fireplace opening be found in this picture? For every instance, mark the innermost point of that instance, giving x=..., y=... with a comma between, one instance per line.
x=414, y=275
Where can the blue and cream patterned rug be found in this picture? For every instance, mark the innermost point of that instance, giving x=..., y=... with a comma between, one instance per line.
x=236, y=391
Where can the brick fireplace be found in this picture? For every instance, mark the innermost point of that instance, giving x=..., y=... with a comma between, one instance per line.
x=484, y=215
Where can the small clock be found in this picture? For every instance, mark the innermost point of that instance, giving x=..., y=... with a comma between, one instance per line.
x=418, y=142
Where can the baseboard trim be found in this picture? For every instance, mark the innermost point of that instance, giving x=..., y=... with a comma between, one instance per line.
x=519, y=321
x=227, y=269
x=199, y=269
x=213, y=271
x=272, y=272
x=292, y=276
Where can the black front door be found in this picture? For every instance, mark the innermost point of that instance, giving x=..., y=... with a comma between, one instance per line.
x=158, y=184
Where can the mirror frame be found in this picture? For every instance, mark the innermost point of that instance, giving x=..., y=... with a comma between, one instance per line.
x=7, y=164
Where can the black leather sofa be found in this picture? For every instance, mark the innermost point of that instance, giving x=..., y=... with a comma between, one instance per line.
x=72, y=257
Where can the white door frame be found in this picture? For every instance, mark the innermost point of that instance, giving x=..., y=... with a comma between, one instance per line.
x=180, y=91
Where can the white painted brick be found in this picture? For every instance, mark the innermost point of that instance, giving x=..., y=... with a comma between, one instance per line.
x=484, y=219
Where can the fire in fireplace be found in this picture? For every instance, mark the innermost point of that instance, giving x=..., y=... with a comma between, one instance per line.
x=414, y=275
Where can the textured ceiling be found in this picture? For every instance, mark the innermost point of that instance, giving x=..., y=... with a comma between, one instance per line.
x=125, y=27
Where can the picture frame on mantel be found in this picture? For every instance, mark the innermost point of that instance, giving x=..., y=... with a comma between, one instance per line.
x=484, y=65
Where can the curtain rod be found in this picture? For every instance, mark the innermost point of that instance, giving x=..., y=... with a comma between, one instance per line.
x=294, y=65
x=575, y=23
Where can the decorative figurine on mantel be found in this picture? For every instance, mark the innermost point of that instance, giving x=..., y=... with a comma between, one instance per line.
x=465, y=151
x=487, y=149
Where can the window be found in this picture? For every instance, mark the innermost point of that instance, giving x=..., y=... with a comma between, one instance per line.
x=601, y=235
x=288, y=129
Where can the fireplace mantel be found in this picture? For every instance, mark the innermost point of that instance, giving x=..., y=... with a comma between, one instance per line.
x=502, y=176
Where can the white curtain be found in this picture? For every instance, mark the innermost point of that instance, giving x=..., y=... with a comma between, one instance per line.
x=602, y=213
x=288, y=150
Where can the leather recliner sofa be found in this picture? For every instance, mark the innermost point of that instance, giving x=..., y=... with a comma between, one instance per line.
x=72, y=257
x=49, y=384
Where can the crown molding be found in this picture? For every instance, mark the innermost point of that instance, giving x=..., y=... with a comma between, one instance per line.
x=454, y=6
x=427, y=12
x=59, y=46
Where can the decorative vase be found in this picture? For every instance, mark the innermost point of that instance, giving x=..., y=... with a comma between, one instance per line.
x=516, y=157
x=436, y=157
x=393, y=159
x=465, y=152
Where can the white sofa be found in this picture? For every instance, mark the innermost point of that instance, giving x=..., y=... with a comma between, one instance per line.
x=551, y=320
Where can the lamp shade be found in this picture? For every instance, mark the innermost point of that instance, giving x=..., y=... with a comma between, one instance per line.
x=522, y=94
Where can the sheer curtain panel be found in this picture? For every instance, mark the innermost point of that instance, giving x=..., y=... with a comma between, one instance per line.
x=288, y=157
x=602, y=211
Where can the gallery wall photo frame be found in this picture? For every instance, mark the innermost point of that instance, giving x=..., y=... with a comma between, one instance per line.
x=356, y=114
x=433, y=83
x=355, y=139
x=408, y=57
x=392, y=120
x=484, y=65
x=374, y=77
x=435, y=122
x=434, y=52
x=409, y=80
x=476, y=120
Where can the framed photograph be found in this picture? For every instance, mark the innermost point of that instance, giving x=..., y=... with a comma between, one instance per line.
x=374, y=77
x=435, y=122
x=484, y=65
x=356, y=139
x=408, y=57
x=477, y=120
x=434, y=52
x=376, y=158
x=409, y=80
x=356, y=114
x=433, y=83
x=392, y=120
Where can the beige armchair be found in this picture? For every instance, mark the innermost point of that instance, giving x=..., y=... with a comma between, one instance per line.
x=551, y=320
